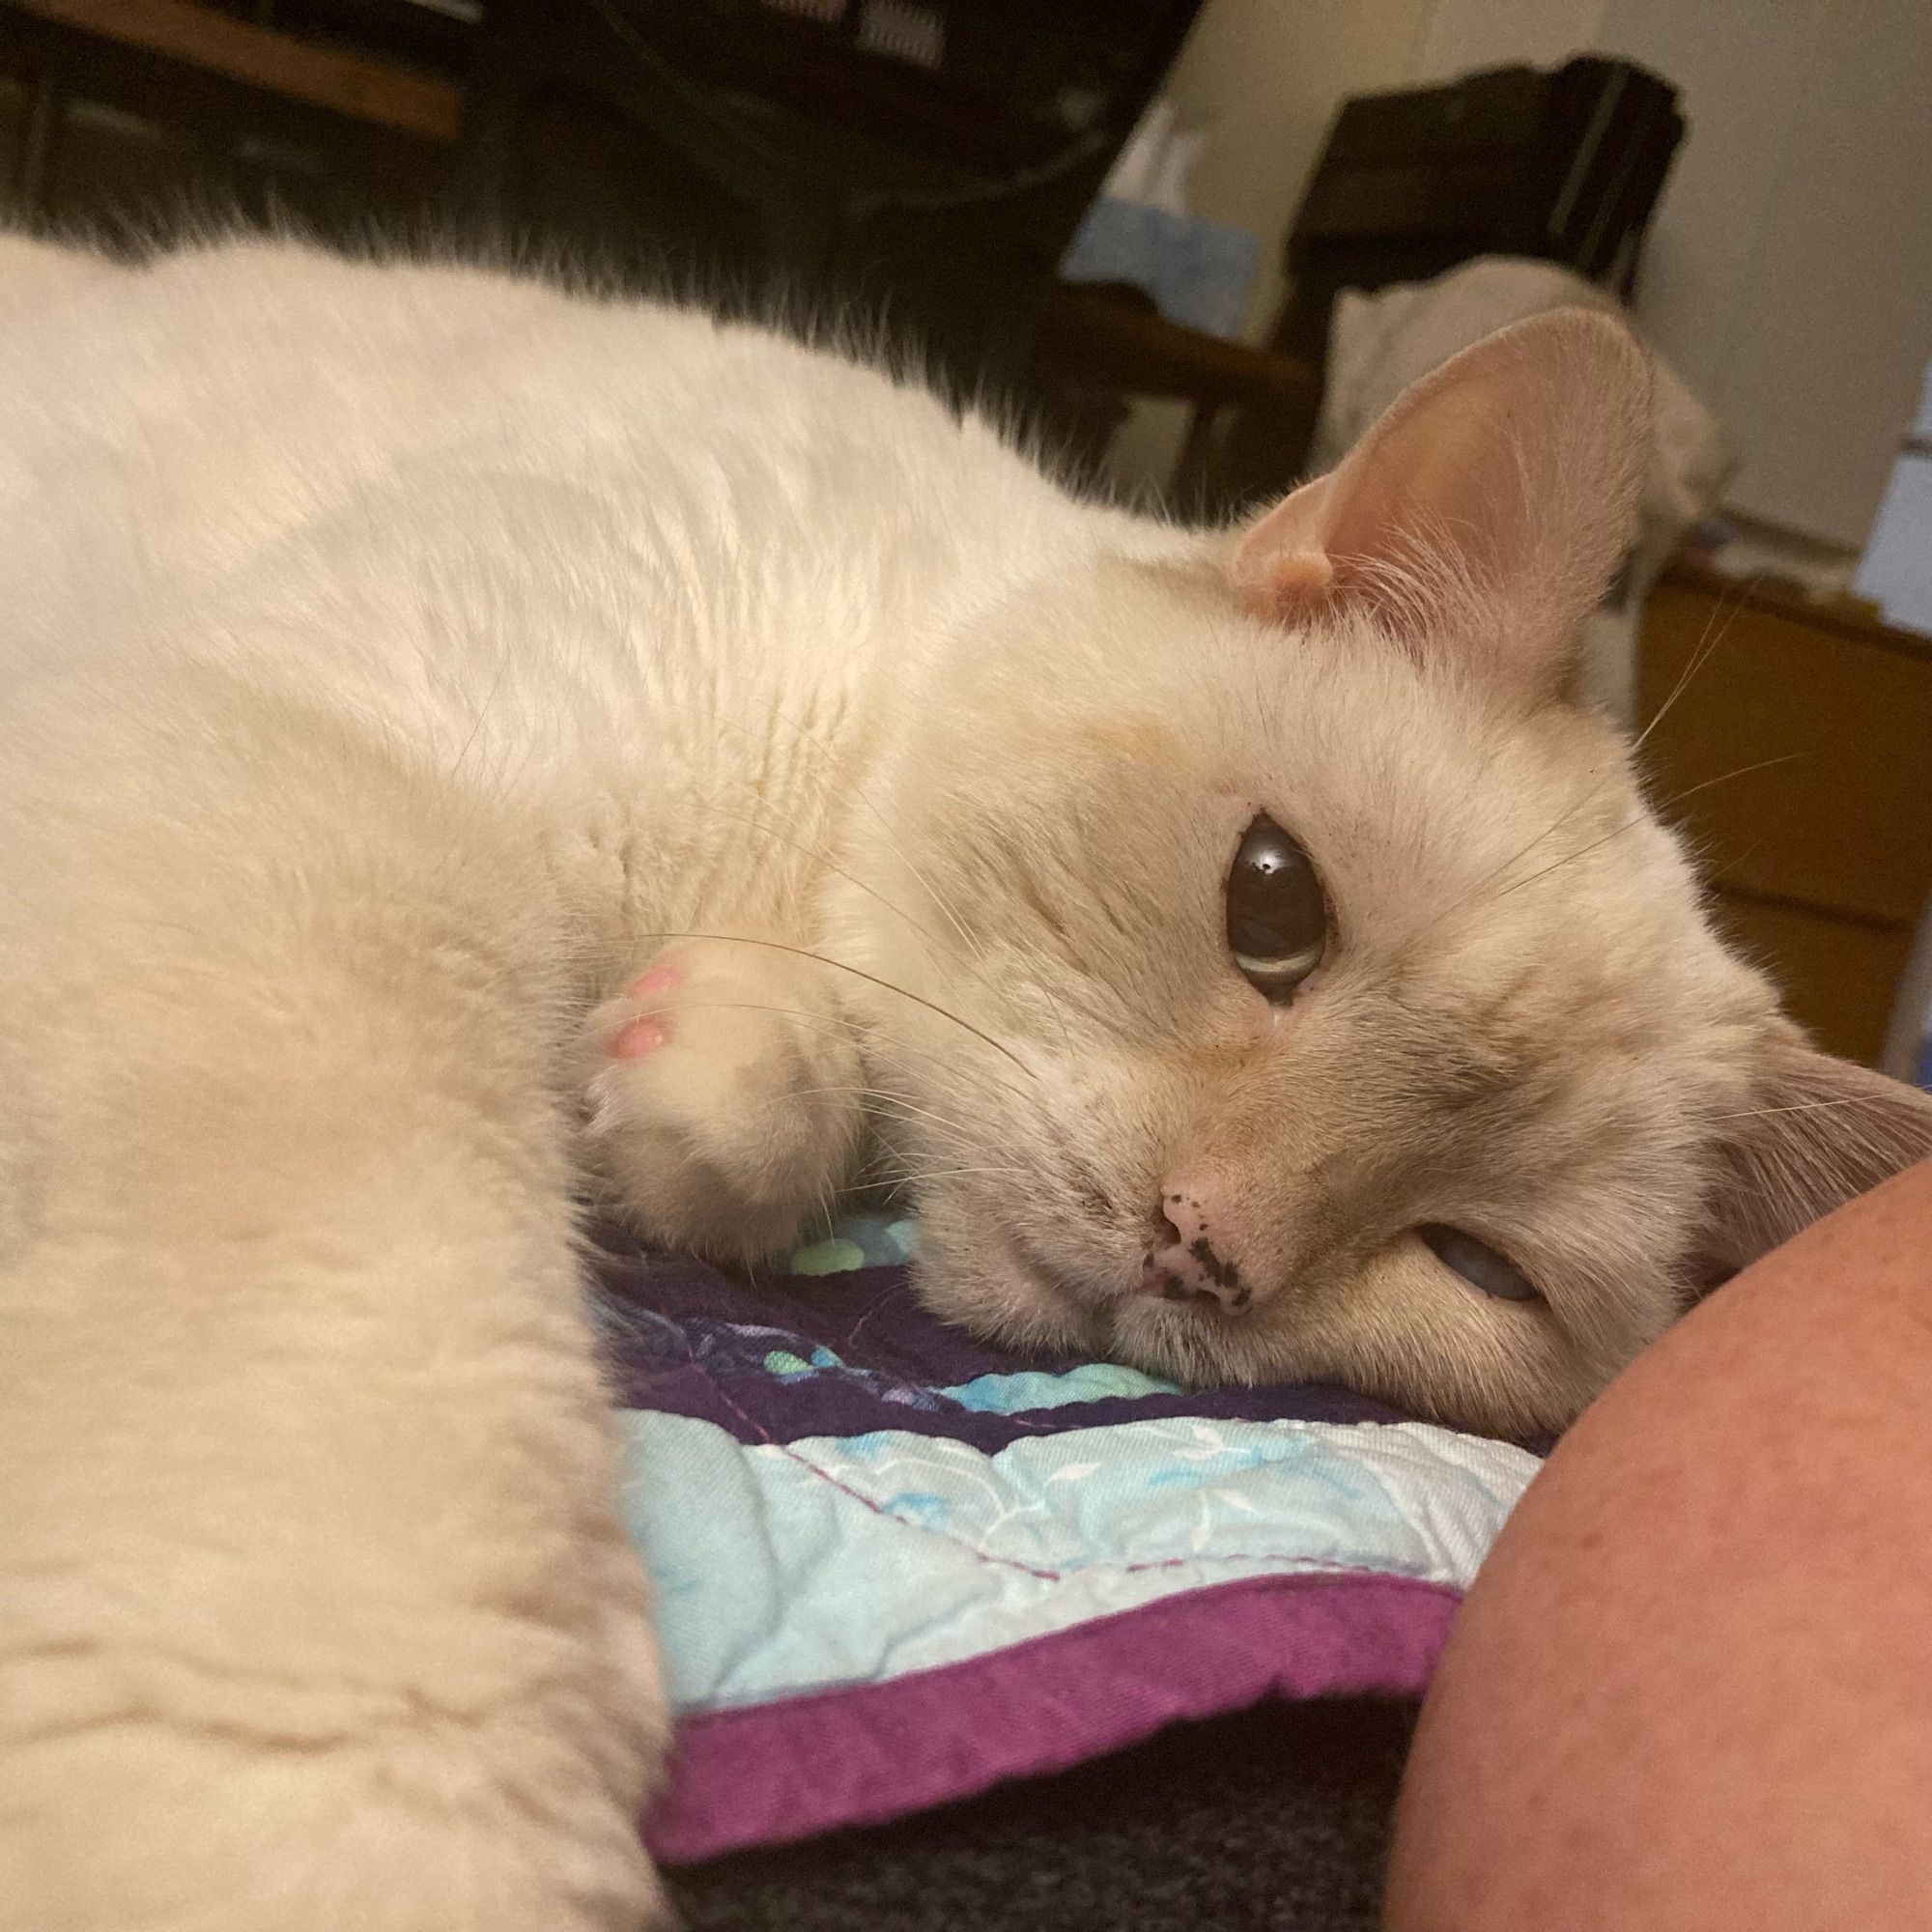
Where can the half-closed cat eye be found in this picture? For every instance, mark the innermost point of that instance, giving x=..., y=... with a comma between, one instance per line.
x=1479, y=1264
x=1276, y=910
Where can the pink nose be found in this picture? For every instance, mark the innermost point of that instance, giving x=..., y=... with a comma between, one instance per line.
x=1188, y=1267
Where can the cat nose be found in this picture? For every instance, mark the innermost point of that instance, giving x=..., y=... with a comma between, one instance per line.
x=1184, y=1264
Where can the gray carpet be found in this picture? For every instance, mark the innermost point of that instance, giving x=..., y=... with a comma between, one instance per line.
x=1273, y=1819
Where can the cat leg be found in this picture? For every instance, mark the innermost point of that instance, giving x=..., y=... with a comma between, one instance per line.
x=725, y=1097
x=315, y=1610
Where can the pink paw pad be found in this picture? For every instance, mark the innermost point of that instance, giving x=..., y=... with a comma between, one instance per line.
x=638, y=1038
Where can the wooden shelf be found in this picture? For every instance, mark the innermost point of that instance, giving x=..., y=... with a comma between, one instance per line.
x=350, y=84
x=1799, y=741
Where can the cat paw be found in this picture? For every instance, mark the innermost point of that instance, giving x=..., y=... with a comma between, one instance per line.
x=723, y=1098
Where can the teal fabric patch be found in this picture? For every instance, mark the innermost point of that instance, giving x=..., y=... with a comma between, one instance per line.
x=831, y=1256
x=859, y=1241
x=1091, y=1382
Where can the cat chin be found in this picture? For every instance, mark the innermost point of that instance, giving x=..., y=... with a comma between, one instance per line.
x=996, y=1287
x=988, y=1280
x=1195, y=1347
x=990, y=1286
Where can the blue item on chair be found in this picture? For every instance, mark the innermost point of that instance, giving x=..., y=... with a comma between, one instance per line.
x=1197, y=271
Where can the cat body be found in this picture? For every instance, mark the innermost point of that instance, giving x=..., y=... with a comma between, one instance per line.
x=463, y=743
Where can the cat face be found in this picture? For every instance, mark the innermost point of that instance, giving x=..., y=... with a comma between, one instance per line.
x=1522, y=1057
x=1328, y=1005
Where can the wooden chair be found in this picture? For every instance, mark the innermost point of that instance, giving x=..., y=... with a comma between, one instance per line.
x=939, y=182
x=1564, y=166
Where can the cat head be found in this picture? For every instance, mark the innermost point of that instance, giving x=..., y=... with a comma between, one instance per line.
x=1324, y=1000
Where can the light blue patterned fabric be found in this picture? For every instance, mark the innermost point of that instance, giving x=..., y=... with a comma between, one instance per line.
x=781, y=1567
x=1091, y=1382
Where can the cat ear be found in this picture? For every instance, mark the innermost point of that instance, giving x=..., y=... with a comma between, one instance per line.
x=1820, y=1131
x=1482, y=518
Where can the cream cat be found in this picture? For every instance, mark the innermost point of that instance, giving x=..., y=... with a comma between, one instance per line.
x=438, y=718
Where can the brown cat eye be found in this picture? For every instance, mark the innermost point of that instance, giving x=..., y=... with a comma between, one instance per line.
x=1479, y=1264
x=1277, y=917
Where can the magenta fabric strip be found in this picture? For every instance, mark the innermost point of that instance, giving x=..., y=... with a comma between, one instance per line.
x=778, y=1772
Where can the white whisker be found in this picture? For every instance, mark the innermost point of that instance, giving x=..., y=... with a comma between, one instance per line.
x=859, y=973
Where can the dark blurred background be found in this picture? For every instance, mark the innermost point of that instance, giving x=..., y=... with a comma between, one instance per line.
x=899, y=164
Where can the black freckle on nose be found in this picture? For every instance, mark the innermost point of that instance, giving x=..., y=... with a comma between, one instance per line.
x=1223, y=1274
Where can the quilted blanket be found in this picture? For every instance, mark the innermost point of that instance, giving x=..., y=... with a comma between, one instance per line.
x=895, y=1565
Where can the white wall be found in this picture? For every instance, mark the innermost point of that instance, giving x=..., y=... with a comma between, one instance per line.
x=1789, y=270
x=1270, y=74
x=1458, y=35
x=1790, y=274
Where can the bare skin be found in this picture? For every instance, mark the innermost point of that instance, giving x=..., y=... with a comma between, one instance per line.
x=1692, y=1686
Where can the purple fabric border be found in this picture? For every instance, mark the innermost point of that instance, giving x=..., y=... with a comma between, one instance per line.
x=682, y=1339
x=775, y=1773
x=758, y=1408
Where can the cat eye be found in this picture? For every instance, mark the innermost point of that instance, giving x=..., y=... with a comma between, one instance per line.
x=1479, y=1264
x=1277, y=912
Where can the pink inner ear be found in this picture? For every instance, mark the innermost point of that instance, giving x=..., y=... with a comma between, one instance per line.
x=1281, y=566
x=1482, y=516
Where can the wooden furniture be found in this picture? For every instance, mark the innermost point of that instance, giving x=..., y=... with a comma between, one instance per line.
x=931, y=176
x=924, y=161
x=1793, y=743
x=119, y=117
x=1103, y=342
x=278, y=63
x=920, y=162
x=1565, y=167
